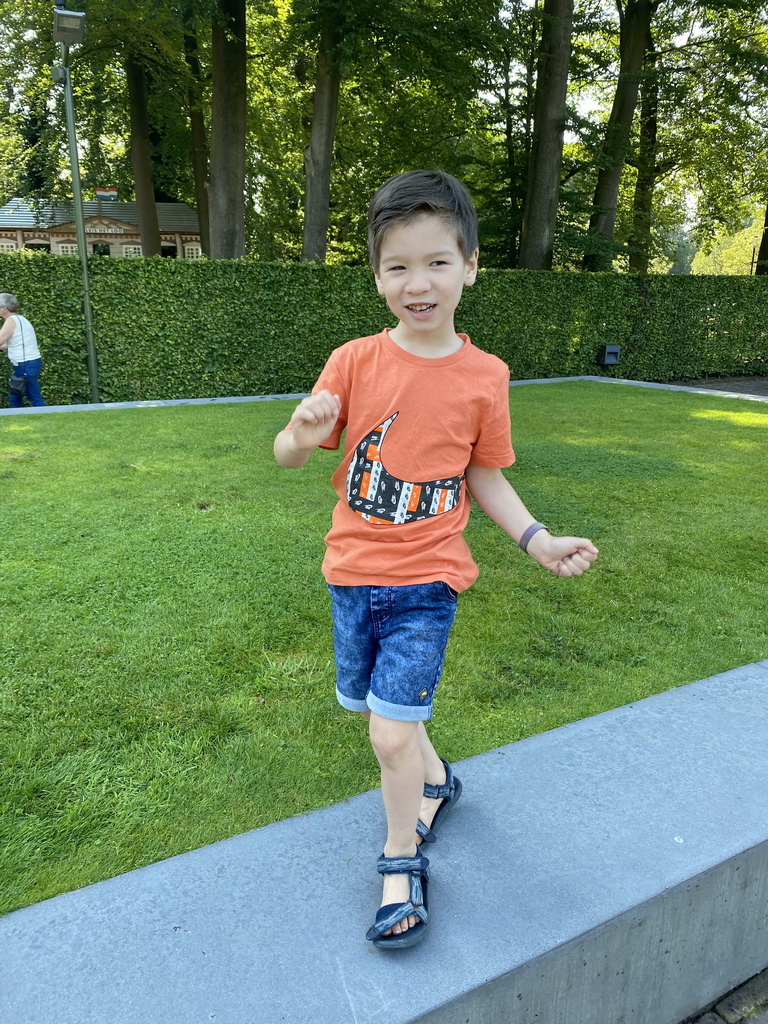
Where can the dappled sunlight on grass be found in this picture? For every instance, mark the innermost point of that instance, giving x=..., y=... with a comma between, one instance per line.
x=740, y=419
x=745, y=446
x=14, y=454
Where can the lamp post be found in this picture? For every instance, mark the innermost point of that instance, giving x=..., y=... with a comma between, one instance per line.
x=69, y=27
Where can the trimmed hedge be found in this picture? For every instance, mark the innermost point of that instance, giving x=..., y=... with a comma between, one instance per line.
x=196, y=329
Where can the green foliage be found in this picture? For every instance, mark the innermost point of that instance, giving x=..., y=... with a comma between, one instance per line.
x=730, y=253
x=196, y=329
x=460, y=98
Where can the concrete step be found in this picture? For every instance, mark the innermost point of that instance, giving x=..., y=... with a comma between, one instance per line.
x=610, y=871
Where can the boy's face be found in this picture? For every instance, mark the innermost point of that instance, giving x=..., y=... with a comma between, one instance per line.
x=422, y=274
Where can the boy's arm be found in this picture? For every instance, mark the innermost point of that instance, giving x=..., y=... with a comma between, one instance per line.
x=312, y=422
x=564, y=556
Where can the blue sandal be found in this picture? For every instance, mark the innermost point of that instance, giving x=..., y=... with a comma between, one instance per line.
x=449, y=793
x=393, y=913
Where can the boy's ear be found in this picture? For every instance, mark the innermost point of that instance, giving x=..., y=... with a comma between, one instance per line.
x=471, y=274
x=379, y=286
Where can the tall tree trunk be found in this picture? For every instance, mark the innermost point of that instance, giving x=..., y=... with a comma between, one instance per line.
x=199, y=138
x=635, y=25
x=761, y=266
x=540, y=217
x=512, y=177
x=642, y=208
x=226, y=183
x=141, y=157
x=318, y=155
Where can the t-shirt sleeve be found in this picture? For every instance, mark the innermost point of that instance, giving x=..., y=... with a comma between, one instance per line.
x=334, y=379
x=493, y=447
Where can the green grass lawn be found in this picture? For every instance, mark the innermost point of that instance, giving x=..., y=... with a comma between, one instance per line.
x=166, y=673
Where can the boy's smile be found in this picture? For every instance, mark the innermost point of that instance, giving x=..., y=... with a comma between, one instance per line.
x=422, y=274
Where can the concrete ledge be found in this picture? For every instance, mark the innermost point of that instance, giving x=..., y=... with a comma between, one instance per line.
x=151, y=404
x=610, y=871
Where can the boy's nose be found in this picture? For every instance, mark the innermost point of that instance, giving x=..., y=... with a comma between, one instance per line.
x=417, y=283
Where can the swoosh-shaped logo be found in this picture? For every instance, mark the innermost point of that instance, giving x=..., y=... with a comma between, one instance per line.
x=384, y=499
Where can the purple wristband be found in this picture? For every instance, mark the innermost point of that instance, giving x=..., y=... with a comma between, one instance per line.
x=525, y=539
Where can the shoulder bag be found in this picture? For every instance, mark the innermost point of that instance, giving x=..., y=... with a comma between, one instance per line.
x=17, y=385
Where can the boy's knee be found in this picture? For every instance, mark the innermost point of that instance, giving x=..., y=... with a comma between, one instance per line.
x=390, y=738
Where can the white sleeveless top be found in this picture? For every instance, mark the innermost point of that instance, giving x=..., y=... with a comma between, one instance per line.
x=22, y=345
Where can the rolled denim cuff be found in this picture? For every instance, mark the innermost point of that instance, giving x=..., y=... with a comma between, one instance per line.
x=349, y=702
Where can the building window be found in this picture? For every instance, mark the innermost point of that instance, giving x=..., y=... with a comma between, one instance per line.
x=39, y=246
x=68, y=249
x=169, y=251
x=101, y=249
x=192, y=251
x=131, y=250
x=7, y=246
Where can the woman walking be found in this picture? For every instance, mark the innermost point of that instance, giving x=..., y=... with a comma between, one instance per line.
x=17, y=335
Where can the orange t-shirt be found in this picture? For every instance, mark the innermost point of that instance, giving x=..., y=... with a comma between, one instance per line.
x=413, y=425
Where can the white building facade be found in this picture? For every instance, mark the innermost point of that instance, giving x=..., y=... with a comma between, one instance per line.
x=111, y=228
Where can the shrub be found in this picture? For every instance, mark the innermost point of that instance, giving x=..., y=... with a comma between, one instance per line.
x=198, y=328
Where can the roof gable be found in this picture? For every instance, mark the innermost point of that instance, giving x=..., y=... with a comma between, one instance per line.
x=24, y=214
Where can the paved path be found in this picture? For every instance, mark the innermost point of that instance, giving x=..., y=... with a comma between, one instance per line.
x=737, y=385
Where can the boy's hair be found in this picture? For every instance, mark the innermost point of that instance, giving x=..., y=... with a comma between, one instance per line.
x=405, y=197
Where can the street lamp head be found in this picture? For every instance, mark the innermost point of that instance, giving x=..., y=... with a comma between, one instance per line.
x=68, y=26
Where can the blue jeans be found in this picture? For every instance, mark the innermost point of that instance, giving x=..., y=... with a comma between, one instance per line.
x=30, y=371
x=389, y=645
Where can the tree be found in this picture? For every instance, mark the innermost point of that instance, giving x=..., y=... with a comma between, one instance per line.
x=141, y=156
x=543, y=193
x=502, y=144
x=226, y=181
x=761, y=264
x=138, y=45
x=634, y=28
x=647, y=170
x=198, y=133
x=357, y=41
x=319, y=152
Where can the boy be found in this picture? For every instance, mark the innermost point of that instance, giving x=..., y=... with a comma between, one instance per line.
x=427, y=420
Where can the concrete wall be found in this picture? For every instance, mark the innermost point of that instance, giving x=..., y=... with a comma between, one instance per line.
x=612, y=871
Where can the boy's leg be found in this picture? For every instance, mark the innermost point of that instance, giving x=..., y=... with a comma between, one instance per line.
x=434, y=774
x=398, y=750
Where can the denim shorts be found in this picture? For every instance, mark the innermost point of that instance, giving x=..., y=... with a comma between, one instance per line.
x=389, y=646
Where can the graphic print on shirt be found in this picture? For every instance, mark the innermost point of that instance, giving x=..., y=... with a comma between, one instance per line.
x=384, y=499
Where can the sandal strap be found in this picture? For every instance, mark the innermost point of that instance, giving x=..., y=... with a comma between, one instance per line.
x=418, y=865
x=425, y=832
x=443, y=791
x=399, y=912
x=417, y=868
